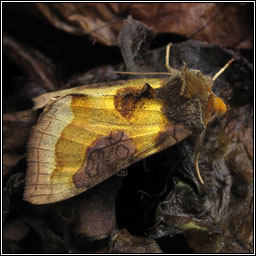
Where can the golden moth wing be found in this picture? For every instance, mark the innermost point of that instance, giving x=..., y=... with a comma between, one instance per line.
x=41, y=156
x=99, y=89
x=82, y=140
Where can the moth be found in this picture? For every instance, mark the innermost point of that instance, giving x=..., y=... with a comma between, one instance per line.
x=85, y=135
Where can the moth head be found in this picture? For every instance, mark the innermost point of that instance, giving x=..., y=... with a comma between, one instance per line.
x=219, y=107
x=215, y=108
x=195, y=84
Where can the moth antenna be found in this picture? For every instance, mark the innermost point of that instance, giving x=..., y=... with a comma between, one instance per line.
x=222, y=69
x=167, y=57
x=197, y=168
x=167, y=65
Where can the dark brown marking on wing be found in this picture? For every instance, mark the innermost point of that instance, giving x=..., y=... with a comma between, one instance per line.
x=105, y=157
x=128, y=99
x=125, y=102
x=147, y=91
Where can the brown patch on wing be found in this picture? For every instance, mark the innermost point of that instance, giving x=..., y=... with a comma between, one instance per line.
x=126, y=99
x=125, y=105
x=105, y=157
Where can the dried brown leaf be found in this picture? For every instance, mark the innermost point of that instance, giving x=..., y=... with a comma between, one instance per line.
x=225, y=24
x=39, y=69
x=123, y=242
x=96, y=212
x=9, y=161
x=16, y=128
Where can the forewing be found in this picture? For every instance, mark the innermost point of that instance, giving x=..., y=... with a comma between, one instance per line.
x=81, y=140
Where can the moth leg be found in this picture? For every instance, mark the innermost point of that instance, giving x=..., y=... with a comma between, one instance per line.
x=197, y=168
x=199, y=142
x=167, y=57
x=197, y=147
